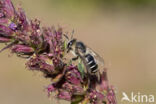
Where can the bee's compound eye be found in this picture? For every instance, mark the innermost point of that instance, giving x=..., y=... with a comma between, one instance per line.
x=69, y=45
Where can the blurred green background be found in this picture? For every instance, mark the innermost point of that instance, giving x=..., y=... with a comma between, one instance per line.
x=123, y=32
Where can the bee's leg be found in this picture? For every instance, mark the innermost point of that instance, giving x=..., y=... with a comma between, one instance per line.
x=98, y=77
x=92, y=81
x=89, y=84
x=75, y=58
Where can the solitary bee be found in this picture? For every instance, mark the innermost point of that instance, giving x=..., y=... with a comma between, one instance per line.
x=92, y=61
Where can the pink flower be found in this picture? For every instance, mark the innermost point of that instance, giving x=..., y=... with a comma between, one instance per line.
x=73, y=88
x=111, y=96
x=96, y=97
x=73, y=75
x=50, y=89
x=39, y=63
x=64, y=95
x=8, y=8
x=4, y=40
x=22, y=49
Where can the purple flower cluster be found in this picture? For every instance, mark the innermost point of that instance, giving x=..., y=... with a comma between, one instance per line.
x=45, y=49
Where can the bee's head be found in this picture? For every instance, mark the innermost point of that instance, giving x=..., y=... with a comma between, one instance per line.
x=70, y=44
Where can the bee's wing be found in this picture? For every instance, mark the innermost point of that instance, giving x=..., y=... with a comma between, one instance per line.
x=97, y=57
x=99, y=60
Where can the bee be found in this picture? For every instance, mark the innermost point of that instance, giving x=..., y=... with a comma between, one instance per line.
x=92, y=61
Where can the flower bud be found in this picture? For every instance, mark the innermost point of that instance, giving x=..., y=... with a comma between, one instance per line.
x=8, y=7
x=64, y=95
x=4, y=40
x=22, y=49
x=50, y=89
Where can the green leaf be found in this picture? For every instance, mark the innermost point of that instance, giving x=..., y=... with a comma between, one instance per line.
x=65, y=45
x=81, y=69
x=77, y=99
x=104, y=102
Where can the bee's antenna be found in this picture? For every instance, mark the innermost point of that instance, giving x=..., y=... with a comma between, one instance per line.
x=66, y=36
x=72, y=34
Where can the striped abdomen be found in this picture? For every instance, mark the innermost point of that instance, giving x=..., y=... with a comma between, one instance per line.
x=93, y=67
